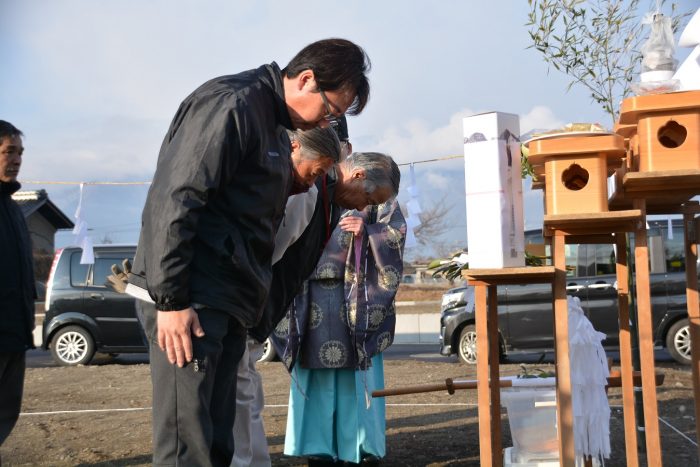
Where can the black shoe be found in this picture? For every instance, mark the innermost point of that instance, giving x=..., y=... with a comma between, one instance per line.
x=322, y=462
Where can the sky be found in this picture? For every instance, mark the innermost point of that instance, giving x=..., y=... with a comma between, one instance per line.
x=93, y=85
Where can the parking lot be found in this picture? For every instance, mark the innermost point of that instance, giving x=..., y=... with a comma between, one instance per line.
x=99, y=415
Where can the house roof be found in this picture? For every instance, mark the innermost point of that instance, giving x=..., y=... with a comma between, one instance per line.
x=38, y=201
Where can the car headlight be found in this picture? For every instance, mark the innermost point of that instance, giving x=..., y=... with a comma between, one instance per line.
x=450, y=300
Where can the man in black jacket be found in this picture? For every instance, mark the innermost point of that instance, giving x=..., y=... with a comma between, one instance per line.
x=208, y=228
x=17, y=291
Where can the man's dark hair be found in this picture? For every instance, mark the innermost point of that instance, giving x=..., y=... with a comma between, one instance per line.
x=8, y=129
x=342, y=129
x=338, y=64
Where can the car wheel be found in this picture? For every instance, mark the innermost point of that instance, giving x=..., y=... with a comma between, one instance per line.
x=678, y=341
x=466, y=347
x=72, y=345
x=269, y=353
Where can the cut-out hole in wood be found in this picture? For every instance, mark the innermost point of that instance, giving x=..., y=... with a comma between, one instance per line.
x=575, y=177
x=672, y=135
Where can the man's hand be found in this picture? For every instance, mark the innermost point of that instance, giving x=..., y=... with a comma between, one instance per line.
x=174, y=338
x=118, y=279
x=352, y=224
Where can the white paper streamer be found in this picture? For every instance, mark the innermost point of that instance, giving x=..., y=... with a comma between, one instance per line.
x=414, y=210
x=88, y=256
x=414, y=207
x=81, y=232
x=589, y=373
x=410, y=238
x=412, y=222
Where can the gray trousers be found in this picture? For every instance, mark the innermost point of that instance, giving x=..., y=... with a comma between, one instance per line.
x=193, y=413
x=249, y=430
x=12, y=365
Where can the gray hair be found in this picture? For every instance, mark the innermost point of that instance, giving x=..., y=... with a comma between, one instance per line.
x=317, y=143
x=380, y=170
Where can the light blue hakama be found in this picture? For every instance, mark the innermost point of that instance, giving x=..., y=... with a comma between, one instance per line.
x=333, y=419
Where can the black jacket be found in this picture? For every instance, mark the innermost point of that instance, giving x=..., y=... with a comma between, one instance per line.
x=17, y=288
x=299, y=260
x=217, y=197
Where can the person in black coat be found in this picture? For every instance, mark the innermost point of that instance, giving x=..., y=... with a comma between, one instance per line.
x=17, y=289
x=204, y=254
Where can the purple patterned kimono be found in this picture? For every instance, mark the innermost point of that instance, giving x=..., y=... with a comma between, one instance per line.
x=345, y=313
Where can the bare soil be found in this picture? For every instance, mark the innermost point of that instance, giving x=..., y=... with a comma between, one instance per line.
x=422, y=293
x=98, y=415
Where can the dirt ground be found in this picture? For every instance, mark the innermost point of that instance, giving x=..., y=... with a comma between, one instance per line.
x=98, y=415
x=420, y=292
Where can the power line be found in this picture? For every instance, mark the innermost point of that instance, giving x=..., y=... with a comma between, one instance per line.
x=446, y=158
x=51, y=182
x=56, y=182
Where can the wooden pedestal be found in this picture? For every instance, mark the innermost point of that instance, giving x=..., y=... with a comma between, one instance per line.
x=668, y=129
x=664, y=191
x=668, y=192
x=575, y=170
x=629, y=133
x=563, y=229
x=485, y=282
x=692, y=238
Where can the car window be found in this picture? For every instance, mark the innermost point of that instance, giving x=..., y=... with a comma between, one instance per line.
x=604, y=260
x=533, y=238
x=666, y=251
x=674, y=250
x=78, y=272
x=571, y=253
x=103, y=268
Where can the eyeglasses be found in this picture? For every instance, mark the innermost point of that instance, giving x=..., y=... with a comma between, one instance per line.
x=330, y=117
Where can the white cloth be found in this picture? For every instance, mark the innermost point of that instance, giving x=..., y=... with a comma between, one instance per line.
x=248, y=430
x=589, y=376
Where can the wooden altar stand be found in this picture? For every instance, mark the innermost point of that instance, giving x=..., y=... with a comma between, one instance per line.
x=655, y=200
x=485, y=282
x=663, y=134
x=562, y=229
x=660, y=173
x=573, y=171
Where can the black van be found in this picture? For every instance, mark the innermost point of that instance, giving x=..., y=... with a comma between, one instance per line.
x=83, y=315
x=525, y=311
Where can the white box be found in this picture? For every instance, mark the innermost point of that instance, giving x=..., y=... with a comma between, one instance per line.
x=494, y=191
x=509, y=462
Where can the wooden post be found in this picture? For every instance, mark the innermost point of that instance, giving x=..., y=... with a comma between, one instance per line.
x=646, y=340
x=486, y=436
x=494, y=351
x=691, y=274
x=565, y=420
x=626, y=368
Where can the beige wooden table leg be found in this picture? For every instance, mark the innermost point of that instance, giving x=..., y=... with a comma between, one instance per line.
x=646, y=342
x=626, y=367
x=487, y=455
x=561, y=346
x=691, y=271
x=494, y=376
